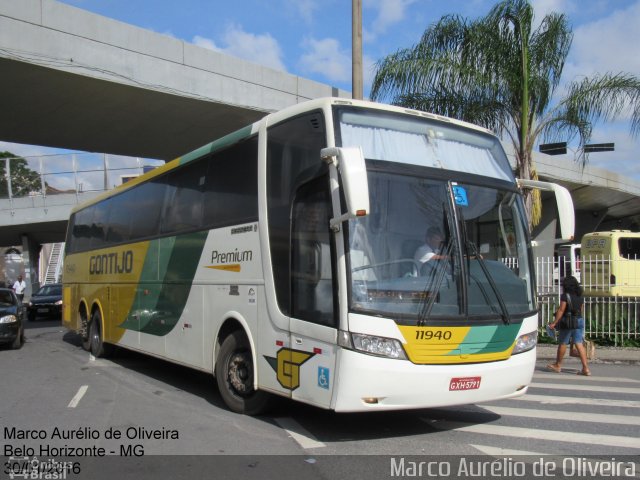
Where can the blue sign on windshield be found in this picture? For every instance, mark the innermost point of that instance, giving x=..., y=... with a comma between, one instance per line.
x=460, y=195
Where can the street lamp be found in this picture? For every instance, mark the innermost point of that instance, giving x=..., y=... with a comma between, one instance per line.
x=560, y=148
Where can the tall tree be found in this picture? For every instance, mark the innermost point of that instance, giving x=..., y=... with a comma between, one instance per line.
x=500, y=72
x=23, y=179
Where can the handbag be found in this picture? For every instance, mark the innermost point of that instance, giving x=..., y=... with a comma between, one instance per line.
x=569, y=321
x=589, y=347
x=573, y=351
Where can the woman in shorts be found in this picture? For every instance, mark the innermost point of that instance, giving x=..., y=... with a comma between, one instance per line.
x=571, y=303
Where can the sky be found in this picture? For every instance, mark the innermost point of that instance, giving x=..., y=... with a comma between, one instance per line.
x=312, y=39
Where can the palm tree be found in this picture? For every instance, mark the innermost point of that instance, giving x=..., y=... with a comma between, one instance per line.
x=501, y=73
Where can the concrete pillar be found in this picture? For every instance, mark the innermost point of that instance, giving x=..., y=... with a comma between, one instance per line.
x=30, y=252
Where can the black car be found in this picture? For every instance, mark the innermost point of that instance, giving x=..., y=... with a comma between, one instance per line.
x=46, y=302
x=11, y=316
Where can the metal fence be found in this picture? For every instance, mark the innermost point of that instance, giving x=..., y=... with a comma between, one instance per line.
x=611, y=293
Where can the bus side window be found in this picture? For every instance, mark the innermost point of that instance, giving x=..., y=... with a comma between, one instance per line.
x=145, y=218
x=311, y=250
x=98, y=224
x=231, y=187
x=122, y=206
x=629, y=248
x=81, y=230
x=183, y=198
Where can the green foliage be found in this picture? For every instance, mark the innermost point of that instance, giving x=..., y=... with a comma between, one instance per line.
x=616, y=341
x=614, y=323
x=23, y=179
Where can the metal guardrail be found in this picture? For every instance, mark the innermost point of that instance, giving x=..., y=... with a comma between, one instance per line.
x=611, y=293
x=69, y=173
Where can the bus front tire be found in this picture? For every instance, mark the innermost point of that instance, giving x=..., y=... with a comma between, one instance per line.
x=234, y=375
x=96, y=340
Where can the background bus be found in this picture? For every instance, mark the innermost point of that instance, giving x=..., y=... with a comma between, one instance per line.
x=611, y=263
x=569, y=261
x=282, y=259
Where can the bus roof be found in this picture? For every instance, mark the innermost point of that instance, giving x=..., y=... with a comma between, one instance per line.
x=614, y=233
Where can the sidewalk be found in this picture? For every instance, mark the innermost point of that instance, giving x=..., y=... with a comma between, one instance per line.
x=627, y=355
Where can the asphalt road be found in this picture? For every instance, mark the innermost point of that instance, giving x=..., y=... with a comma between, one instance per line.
x=153, y=419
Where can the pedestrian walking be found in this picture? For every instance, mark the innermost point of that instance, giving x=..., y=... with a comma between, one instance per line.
x=19, y=287
x=569, y=322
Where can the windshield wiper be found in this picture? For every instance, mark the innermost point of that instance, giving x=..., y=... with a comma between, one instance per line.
x=506, y=318
x=438, y=277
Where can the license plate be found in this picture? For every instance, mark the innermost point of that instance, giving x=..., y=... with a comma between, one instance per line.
x=464, y=383
x=43, y=310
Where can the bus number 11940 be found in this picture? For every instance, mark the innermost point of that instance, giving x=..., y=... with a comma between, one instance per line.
x=433, y=335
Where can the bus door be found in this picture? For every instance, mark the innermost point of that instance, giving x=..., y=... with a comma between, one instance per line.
x=314, y=317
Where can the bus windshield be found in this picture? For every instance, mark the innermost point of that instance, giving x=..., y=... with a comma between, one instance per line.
x=442, y=240
x=436, y=248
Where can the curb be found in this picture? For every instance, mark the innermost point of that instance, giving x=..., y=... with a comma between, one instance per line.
x=611, y=355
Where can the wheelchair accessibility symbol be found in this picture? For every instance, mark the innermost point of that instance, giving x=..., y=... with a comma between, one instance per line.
x=323, y=377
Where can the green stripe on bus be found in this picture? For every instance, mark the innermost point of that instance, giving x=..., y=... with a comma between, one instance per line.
x=165, y=283
x=488, y=339
x=219, y=144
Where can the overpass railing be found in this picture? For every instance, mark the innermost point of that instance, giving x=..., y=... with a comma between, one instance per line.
x=67, y=173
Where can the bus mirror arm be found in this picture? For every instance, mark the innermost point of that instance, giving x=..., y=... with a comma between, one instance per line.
x=350, y=164
x=566, y=214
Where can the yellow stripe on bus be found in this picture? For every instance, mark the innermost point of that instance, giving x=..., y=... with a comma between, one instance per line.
x=232, y=267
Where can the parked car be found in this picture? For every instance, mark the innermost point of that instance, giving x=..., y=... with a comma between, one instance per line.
x=11, y=319
x=46, y=302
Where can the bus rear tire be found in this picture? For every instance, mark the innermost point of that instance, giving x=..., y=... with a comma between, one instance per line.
x=96, y=340
x=234, y=375
x=86, y=336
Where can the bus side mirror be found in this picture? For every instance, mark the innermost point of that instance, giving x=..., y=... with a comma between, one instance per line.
x=353, y=171
x=566, y=213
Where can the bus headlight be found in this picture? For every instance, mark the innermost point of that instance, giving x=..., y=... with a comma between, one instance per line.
x=8, y=319
x=381, y=346
x=525, y=342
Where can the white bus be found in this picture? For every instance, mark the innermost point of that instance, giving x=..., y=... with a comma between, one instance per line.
x=283, y=259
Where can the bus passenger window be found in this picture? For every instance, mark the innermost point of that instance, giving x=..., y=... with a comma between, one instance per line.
x=231, y=187
x=183, y=201
x=146, y=217
x=629, y=248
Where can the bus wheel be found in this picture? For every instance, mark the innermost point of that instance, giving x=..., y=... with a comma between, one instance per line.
x=234, y=375
x=97, y=346
x=86, y=336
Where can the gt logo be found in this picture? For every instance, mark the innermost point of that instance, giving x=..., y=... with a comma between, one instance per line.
x=287, y=366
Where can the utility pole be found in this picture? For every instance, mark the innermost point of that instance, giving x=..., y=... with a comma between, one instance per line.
x=356, y=49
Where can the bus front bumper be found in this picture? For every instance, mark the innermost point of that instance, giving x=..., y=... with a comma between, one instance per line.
x=369, y=383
